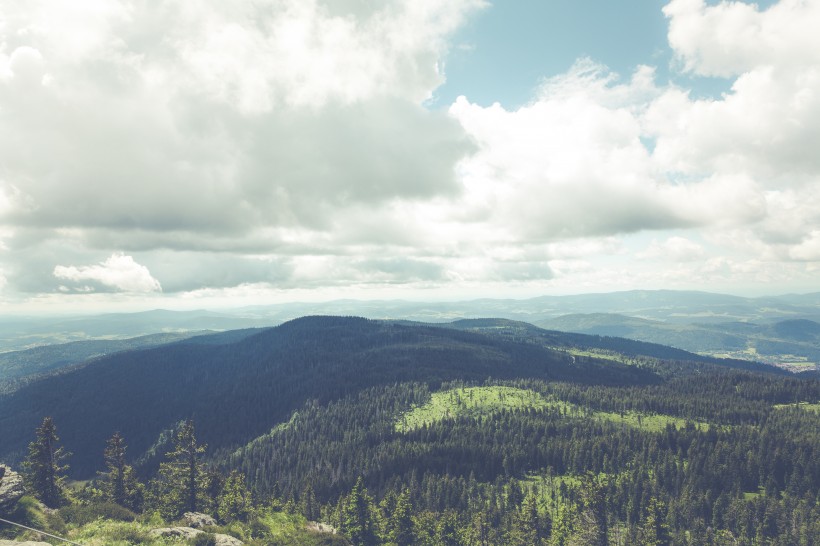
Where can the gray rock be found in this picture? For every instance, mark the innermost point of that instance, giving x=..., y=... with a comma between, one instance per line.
x=11, y=488
x=26, y=543
x=189, y=533
x=227, y=540
x=197, y=520
x=177, y=532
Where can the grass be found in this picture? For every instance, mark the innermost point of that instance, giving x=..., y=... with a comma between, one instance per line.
x=802, y=405
x=271, y=527
x=752, y=495
x=472, y=401
x=652, y=422
x=483, y=401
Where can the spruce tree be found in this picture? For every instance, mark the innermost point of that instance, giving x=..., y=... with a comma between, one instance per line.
x=400, y=523
x=358, y=521
x=119, y=483
x=43, y=472
x=234, y=502
x=178, y=487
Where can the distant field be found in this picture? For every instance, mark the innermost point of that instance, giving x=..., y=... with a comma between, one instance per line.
x=478, y=401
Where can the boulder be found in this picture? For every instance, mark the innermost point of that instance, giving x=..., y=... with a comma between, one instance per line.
x=176, y=532
x=11, y=488
x=189, y=532
x=197, y=520
x=227, y=540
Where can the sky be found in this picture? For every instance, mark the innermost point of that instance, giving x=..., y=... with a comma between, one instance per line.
x=207, y=154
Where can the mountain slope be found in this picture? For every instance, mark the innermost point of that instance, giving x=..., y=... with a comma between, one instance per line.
x=237, y=390
x=17, y=364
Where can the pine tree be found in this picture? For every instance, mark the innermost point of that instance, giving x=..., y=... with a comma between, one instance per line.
x=564, y=525
x=358, y=520
x=234, y=502
x=528, y=528
x=595, y=527
x=653, y=530
x=178, y=487
x=43, y=472
x=114, y=455
x=400, y=522
x=310, y=507
x=119, y=483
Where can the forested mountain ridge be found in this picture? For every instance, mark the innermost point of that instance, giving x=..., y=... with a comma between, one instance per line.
x=16, y=365
x=473, y=433
x=238, y=389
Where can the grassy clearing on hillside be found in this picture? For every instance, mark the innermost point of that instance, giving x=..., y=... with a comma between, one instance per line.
x=479, y=401
x=473, y=401
x=652, y=422
x=802, y=405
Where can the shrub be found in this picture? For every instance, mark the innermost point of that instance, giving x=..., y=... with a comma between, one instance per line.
x=82, y=514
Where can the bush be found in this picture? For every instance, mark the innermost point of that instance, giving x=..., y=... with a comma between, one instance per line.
x=26, y=512
x=82, y=514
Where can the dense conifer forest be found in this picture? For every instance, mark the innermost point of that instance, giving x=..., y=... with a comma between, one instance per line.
x=478, y=433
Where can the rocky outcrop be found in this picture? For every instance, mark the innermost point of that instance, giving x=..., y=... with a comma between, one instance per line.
x=11, y=488
x=197, y=520
x=318, y=527
x=189, y=533
x=26, y=543
x=175, y=532
x=227, y=540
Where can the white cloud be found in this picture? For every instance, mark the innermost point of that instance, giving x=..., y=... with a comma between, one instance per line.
x=673, y=249
x=808, y=249
x=284, y=144
x=119, y=271
x=572, y=164
x=732, y=38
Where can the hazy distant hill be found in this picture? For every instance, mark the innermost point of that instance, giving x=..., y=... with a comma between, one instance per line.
x=668, y=306
x=19, y=333
x=16, y=364
x=792, y=342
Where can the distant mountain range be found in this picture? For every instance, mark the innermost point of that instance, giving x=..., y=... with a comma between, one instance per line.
x=793, y=343
x=780, y=330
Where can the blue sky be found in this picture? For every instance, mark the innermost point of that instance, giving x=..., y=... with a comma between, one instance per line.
x=165, y=156
x=508, y=49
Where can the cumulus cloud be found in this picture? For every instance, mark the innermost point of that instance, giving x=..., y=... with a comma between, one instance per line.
x=221, y=119
x=675, y=249
x=732, y=38
x=572, y=163
x=287, y=144
x=119, y=272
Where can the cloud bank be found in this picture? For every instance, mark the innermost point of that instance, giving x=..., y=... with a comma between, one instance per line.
x=287, y=144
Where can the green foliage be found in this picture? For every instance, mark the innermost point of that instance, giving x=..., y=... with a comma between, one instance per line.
x=30, y=512
x=234, y=502
x=43, y=469
x=180, y=486
x=119, y=484
x=81, y=514
x=472, y=402
x=359, y=521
